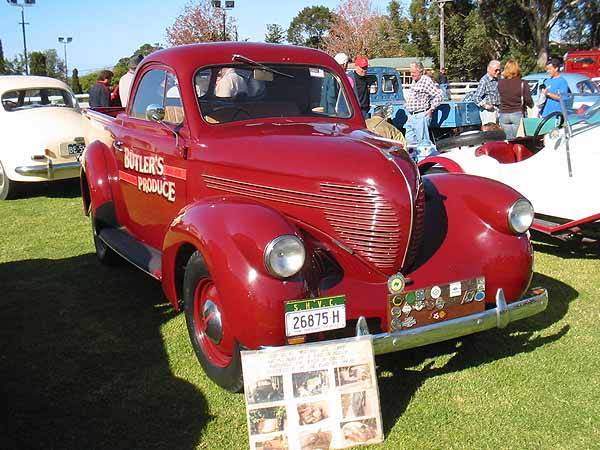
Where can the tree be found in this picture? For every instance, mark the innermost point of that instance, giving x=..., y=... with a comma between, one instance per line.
x=399, y=26
x=541, y=16
x=55, y=66
x=421, y=27
x=580, y=25
x=310, y=26
x=15, y=66
x=75, y=85
x=356, y=29
x=275, y=33
x=87, y=81
x=37, y=64
x=200, y=22
x=121, y=68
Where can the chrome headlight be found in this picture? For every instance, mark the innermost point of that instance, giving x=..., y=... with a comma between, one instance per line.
x=520, y=216
x=284, y=256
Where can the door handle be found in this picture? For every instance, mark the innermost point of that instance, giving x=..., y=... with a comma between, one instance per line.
x=118, y=145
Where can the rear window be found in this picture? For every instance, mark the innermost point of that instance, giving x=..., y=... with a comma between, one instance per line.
x=243, y=92
x=37, y=98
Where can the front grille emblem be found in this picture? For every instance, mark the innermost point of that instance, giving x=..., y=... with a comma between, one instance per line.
x=396, y=283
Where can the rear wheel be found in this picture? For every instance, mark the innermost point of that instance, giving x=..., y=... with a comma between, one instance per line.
x=8, y=188
x=210, y=333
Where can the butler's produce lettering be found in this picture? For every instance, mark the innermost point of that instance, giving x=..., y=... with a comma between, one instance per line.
x=151, y=165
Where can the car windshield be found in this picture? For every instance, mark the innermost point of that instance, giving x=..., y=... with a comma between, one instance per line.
x=243, y=92
x=21, y=99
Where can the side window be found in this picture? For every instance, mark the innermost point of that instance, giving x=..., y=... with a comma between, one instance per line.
x=373, y=85
x=586, y=87
x=150, y=91
x=389, y=84
x=173, y=106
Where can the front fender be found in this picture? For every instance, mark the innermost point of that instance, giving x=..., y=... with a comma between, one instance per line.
x=95, y=180
x=466, y=235
x=232, y=236
x=448, y=164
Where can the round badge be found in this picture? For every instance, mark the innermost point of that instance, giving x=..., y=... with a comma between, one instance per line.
x=396, y=311
x=396, y=283
x=479, y=296
x=436, y=291
x=410, y=298
x=396, y=324
x=397, y=300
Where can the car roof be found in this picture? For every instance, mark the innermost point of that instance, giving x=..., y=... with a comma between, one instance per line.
x=12, y=82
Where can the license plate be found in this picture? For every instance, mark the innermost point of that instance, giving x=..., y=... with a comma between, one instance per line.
x=75, y=149
x=315, y=315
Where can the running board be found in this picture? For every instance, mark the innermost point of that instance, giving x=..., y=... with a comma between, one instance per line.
x=546, y=226
x=142, y=256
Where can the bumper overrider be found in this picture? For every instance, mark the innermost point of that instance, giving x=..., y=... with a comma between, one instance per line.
x=49, y=169
x=498, y=317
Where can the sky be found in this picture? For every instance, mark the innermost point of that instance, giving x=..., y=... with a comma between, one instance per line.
x=105, y=31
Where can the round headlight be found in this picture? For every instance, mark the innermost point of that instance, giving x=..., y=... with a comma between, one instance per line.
x=284, y=256
x=520, y=216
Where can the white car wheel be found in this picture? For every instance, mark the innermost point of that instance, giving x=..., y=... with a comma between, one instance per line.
x=8, y=188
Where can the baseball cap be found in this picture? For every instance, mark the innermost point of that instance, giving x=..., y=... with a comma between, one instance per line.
x=362, y=62
x=341, y=58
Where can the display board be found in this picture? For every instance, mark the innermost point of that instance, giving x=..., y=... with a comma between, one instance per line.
x=312, y=396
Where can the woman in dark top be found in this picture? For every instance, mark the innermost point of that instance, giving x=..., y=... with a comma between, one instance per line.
x=514, y=98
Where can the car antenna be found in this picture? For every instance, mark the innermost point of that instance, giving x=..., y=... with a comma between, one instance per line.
x=237, y=57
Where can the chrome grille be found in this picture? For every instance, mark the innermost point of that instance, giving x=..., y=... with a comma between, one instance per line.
x=418, y=229
x=369, y=224
x=363, y=220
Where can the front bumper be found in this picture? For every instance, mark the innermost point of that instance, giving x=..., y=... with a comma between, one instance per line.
x=50, y=170
x=498, y=317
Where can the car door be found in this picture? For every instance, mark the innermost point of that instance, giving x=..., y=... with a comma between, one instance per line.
x=152, y=167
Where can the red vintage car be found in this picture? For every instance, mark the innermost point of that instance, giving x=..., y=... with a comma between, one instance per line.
x=274, y=219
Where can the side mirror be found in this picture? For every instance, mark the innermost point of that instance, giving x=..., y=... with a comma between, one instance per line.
x=156, y=113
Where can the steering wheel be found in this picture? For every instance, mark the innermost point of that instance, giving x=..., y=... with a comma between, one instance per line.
x=237, y=110
x=546, y=119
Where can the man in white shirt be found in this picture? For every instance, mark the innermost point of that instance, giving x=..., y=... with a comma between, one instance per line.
x=127, y=79
x=230, y=83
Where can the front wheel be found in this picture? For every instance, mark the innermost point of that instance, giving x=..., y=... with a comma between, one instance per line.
x=210, y=333
x=8, y=188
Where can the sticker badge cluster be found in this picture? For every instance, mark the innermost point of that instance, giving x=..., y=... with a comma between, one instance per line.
x=312, y=396
x=418, y=307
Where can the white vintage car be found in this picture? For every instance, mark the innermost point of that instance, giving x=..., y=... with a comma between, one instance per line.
x=558, y=172
x=42, y=132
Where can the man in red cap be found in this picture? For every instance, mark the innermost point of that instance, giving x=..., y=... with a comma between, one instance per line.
x=361, y=84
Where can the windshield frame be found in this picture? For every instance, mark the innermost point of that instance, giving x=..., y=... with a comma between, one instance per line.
x=277, y=67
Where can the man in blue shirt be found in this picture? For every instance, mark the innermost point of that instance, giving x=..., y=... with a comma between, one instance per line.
x=556, y=87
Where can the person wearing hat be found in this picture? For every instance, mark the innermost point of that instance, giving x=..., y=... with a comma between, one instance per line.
x=361, y=84
x=127, y=79
x=342, y=59
x=331, y=87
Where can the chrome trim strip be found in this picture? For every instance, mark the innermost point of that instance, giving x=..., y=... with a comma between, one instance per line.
x=498, y=317
x=48, y=169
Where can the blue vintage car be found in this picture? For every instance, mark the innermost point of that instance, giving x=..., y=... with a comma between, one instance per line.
x=386, y=89
x=578, y=84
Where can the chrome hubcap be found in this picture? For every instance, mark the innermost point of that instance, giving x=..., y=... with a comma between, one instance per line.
x=211, y=316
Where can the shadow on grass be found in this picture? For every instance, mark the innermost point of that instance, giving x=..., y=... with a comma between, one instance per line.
x=51, y=189
x=397, y=389
x=82, y=362
x=568, y=250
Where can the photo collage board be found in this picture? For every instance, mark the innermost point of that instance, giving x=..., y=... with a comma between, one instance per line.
x=312, y=396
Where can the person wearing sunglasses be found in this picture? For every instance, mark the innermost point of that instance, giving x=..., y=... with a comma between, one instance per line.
x=487, y=95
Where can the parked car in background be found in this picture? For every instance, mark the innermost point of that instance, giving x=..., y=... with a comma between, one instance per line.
x=557, y=173
x=578, y=84
x=585, y=62
x=449, y=118
x=42, y=132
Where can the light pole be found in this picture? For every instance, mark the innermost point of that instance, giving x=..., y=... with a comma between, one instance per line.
x=224, y=6
x=441, y=4
x=23, y=23
x=64, y=41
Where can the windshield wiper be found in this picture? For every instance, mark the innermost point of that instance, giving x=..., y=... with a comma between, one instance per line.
x=242, y=58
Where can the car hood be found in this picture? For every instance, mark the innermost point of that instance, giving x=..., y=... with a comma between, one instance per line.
x=359, y=189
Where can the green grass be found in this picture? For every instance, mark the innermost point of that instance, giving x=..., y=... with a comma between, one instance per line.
x=94, y=357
